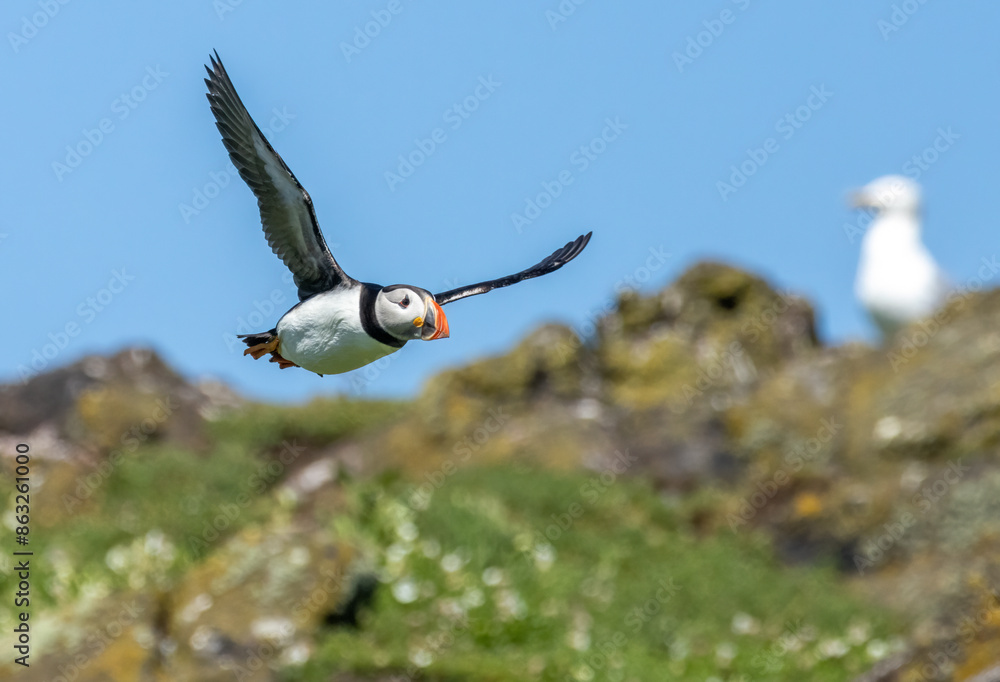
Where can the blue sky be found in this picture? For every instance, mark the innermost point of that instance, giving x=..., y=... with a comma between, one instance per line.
x=628, y=115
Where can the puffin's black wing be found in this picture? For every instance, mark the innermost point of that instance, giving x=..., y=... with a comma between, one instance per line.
x=286, y=211
x=558, y=259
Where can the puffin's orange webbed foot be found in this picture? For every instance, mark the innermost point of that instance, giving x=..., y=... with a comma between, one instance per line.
x=261, y=348
x=282, y=362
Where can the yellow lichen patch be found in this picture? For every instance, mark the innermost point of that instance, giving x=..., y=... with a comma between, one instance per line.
x=807, y=505
x=979, y=656
x=123, y=659
x=652, y=372
x=110, y=415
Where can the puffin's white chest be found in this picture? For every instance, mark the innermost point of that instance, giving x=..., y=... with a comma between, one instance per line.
x=324, y=334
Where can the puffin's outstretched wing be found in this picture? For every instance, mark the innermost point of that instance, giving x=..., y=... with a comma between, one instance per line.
x=286, y=211
x=555, y=261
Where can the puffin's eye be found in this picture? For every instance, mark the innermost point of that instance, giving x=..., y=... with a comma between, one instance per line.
x=405, y=302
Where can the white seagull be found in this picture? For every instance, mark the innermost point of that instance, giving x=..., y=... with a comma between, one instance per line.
x=898, y=280
x=340, y=323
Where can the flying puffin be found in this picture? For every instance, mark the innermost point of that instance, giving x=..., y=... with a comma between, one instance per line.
x=898, y=280
x=339, y=323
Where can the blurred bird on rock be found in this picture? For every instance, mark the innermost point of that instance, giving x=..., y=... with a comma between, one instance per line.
x=898, y=280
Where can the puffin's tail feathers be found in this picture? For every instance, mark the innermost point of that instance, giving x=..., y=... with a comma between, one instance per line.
x=259, y=337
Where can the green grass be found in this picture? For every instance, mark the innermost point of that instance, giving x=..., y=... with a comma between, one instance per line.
x=630, y=592
x=160, y=508
x=319, y=422
x=156, y=510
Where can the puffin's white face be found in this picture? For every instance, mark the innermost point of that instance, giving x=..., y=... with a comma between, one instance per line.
x=410, y=313
x=889, y=193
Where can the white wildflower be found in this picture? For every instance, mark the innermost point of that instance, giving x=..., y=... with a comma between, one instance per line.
x=405, y=591
x=744, y=624
x=492, y=576
x=451, y=563
x=832, y=648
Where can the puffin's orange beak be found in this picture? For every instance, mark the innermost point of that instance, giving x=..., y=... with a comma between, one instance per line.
x=435, y=323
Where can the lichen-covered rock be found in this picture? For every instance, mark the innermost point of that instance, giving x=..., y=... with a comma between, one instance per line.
x=549, y=361
x=254, y=604
x=675, y=362
x=101, y=403
x=249, y=609
x=716, y=327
